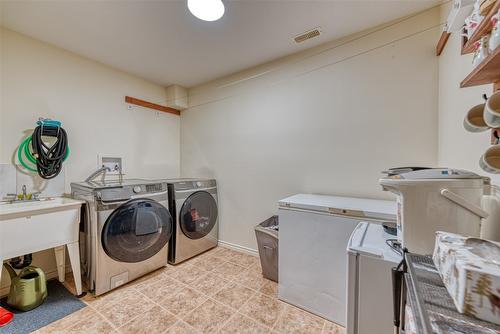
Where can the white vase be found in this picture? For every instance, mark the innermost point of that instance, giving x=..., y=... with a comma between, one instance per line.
x=481, y=52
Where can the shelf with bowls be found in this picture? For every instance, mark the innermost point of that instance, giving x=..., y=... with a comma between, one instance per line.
x=488, y=71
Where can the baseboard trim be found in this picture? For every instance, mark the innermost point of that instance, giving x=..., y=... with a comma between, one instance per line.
x=239, y=248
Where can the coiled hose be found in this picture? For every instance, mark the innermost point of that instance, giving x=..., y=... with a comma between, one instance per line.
x=47, y=159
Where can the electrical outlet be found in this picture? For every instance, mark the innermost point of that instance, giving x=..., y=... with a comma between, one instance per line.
x=113, y=163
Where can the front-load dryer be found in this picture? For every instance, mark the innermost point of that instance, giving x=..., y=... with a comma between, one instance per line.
x=125, y=233
x=193, y=205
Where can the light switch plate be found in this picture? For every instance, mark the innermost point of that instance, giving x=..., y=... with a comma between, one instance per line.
x=115, y=164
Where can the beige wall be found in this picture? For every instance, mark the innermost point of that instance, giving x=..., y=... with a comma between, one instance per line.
x=40, y=80
x=327, y=120
x=457, y=147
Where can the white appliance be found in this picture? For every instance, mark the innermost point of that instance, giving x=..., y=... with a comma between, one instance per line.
x=438, y=199
x=193, y=205
x=314, y=232
x=369, y=284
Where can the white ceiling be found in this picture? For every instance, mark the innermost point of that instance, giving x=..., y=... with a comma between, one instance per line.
x=162, y=42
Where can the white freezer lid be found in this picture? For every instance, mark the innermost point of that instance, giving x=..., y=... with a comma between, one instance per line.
x=369, y=208
x=369, y=239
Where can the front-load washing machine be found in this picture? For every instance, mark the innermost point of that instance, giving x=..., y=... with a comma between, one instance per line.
x=125, y=231
x=193, y=205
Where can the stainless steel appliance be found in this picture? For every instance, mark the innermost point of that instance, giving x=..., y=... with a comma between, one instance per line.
x=125, y=230
x=193, y=204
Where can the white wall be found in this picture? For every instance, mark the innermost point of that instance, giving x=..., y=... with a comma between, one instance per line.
x=327, y=120
x=40, y=80
x=457, y=147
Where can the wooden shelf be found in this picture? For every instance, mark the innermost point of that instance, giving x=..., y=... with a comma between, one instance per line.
x=150, y=105
x=486, y=72
x=484, y=28
x=442, y=42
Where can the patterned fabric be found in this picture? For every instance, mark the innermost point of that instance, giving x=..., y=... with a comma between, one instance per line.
x=470, y=269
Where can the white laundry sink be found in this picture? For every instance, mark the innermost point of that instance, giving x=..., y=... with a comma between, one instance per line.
x=19, y=209
x=32, y=226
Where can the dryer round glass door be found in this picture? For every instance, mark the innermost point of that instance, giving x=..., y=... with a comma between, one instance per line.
x=198, y=215
x=136, y=230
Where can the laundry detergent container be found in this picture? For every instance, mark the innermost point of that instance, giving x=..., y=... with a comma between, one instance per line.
x=438, y=199
x=267, y=240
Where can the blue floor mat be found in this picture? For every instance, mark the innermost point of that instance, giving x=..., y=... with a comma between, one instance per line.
x=59, y=303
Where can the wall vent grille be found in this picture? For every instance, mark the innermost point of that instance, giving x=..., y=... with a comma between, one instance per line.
x=307, y=35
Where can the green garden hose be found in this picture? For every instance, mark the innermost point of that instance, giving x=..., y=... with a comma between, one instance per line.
x=25, y=148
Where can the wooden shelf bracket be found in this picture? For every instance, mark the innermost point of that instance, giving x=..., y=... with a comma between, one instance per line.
x=150, y=105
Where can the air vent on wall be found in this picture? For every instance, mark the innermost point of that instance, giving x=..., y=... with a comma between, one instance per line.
x=307, y=35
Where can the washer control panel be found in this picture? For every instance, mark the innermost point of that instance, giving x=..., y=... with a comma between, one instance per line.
x=194, y=184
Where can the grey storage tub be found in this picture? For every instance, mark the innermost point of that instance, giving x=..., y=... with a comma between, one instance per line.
x=267, y=240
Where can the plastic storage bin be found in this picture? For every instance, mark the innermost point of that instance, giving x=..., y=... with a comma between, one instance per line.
x=267, y=241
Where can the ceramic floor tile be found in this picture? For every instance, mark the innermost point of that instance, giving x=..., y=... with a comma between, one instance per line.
x=251, y=279
x=126, y=309
x=154, y=321
x=332, y=328
x=234, y=295
x=183, y=302
x=209, y=284
x=243, y=325
x=208, y=263
x=269, y=288
x=264, y=309
x=92, y=325
x=243, y=260
x=296, y=321
x=68, y=321
x=209, y=317
x=205, y=292
x=229, y=271
x=188, y=274
x=225, y=253
x=180, y=327
x=101, y=302
x=160, y=289
x=148, y=279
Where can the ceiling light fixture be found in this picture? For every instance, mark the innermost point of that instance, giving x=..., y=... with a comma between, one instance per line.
x=206, y=10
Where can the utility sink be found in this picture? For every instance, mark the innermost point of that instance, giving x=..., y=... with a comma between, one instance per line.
x=18, y=209
x=31, y=226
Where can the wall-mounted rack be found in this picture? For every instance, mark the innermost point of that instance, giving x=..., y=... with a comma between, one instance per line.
x=488, y=71
x=151, y=105
x=482, y=29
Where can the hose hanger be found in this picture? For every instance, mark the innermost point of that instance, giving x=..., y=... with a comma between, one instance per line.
x=47, y=159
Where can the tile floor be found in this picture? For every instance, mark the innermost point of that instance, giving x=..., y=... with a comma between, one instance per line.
x=220, y=291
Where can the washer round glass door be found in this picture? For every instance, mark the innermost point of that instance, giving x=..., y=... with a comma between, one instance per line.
x=136, y=230
x=198, y=215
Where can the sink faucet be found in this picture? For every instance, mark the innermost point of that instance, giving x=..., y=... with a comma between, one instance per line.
x=98, y=172
x=25, y=195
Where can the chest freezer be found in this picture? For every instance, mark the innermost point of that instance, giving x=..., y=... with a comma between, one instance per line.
x=314, y=233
